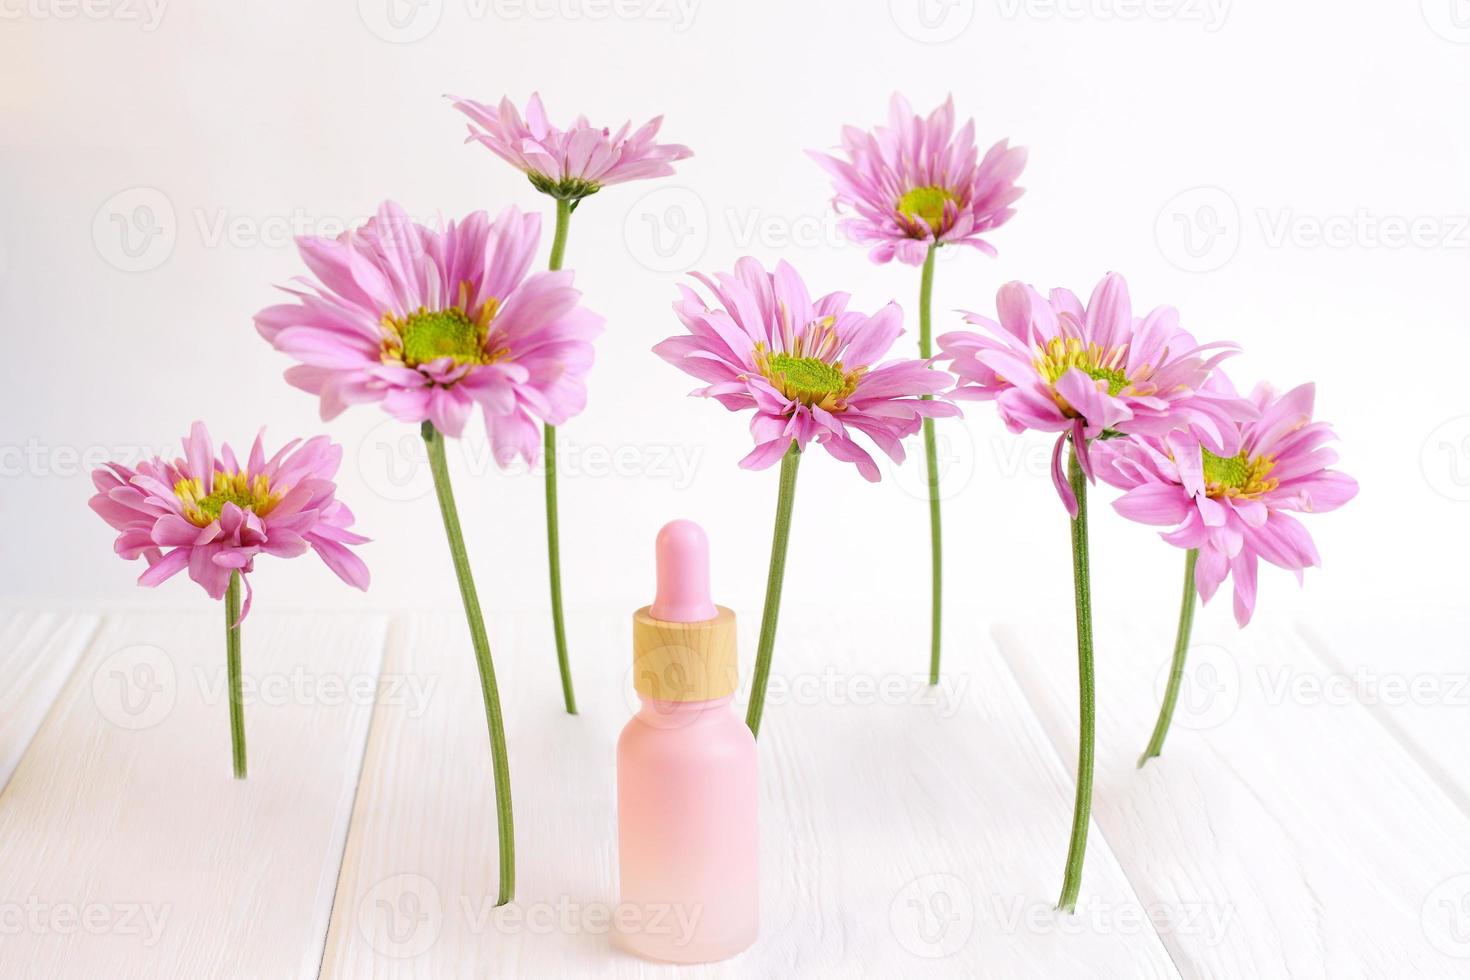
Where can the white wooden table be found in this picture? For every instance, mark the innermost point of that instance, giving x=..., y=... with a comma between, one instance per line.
x=1310, y=816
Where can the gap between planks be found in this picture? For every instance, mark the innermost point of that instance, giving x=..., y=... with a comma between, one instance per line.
x=38, y=652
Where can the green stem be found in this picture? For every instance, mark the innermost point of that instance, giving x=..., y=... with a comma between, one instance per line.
x=553, y=534
x=559, y=240
x=1081, y=581
x=1176, y=670
x=434, y=440
x=785, y=497
x=926, y=292
x=232, y=660
x=553, y=556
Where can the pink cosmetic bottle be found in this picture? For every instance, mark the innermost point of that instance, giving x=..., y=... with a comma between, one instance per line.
x=688, y=837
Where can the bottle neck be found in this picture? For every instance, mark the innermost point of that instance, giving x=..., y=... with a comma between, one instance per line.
x=679, y=714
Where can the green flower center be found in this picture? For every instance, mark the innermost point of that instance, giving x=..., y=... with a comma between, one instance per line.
x=806, y=378
x=229, y=488
x=211, y=505
x=431, y=334
x=926, y=204
x=1115, y=378
x=1226, y=471
x=1238, y=475
x=808, y=371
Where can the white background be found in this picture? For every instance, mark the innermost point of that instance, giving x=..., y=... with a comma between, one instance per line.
x=1319, y=131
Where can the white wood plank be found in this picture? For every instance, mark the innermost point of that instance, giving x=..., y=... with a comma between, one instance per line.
x=1302, y=826
x=127, y=850
x=37, y=653
x=1409, y=665
x=875, y=817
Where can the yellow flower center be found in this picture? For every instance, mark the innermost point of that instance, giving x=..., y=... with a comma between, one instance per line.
x=201, y=509
x=926, y=204
x=1061, y=354
x=1238, y=475
x=427, y=335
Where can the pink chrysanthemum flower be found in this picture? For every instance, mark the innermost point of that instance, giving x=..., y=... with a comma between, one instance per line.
x=434, y=322
x=569, y=164
x=212, y=516
x=916, y=182
x=807, y=368
x=1053, y=365
x=1234, y=509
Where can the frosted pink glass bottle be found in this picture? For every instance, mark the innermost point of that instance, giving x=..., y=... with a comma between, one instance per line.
x=688, y=836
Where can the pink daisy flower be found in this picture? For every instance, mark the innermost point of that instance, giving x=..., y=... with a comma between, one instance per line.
x=432, y=323
x=569, y=164
x=1235, y=509
x=807, y=368
x=916, y=182
x=212, y=516
x=1053, y=365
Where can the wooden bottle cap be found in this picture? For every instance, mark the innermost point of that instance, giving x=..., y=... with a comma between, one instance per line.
x=685, y=661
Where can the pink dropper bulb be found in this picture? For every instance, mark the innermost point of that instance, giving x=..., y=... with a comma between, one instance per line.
x=682, y=555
